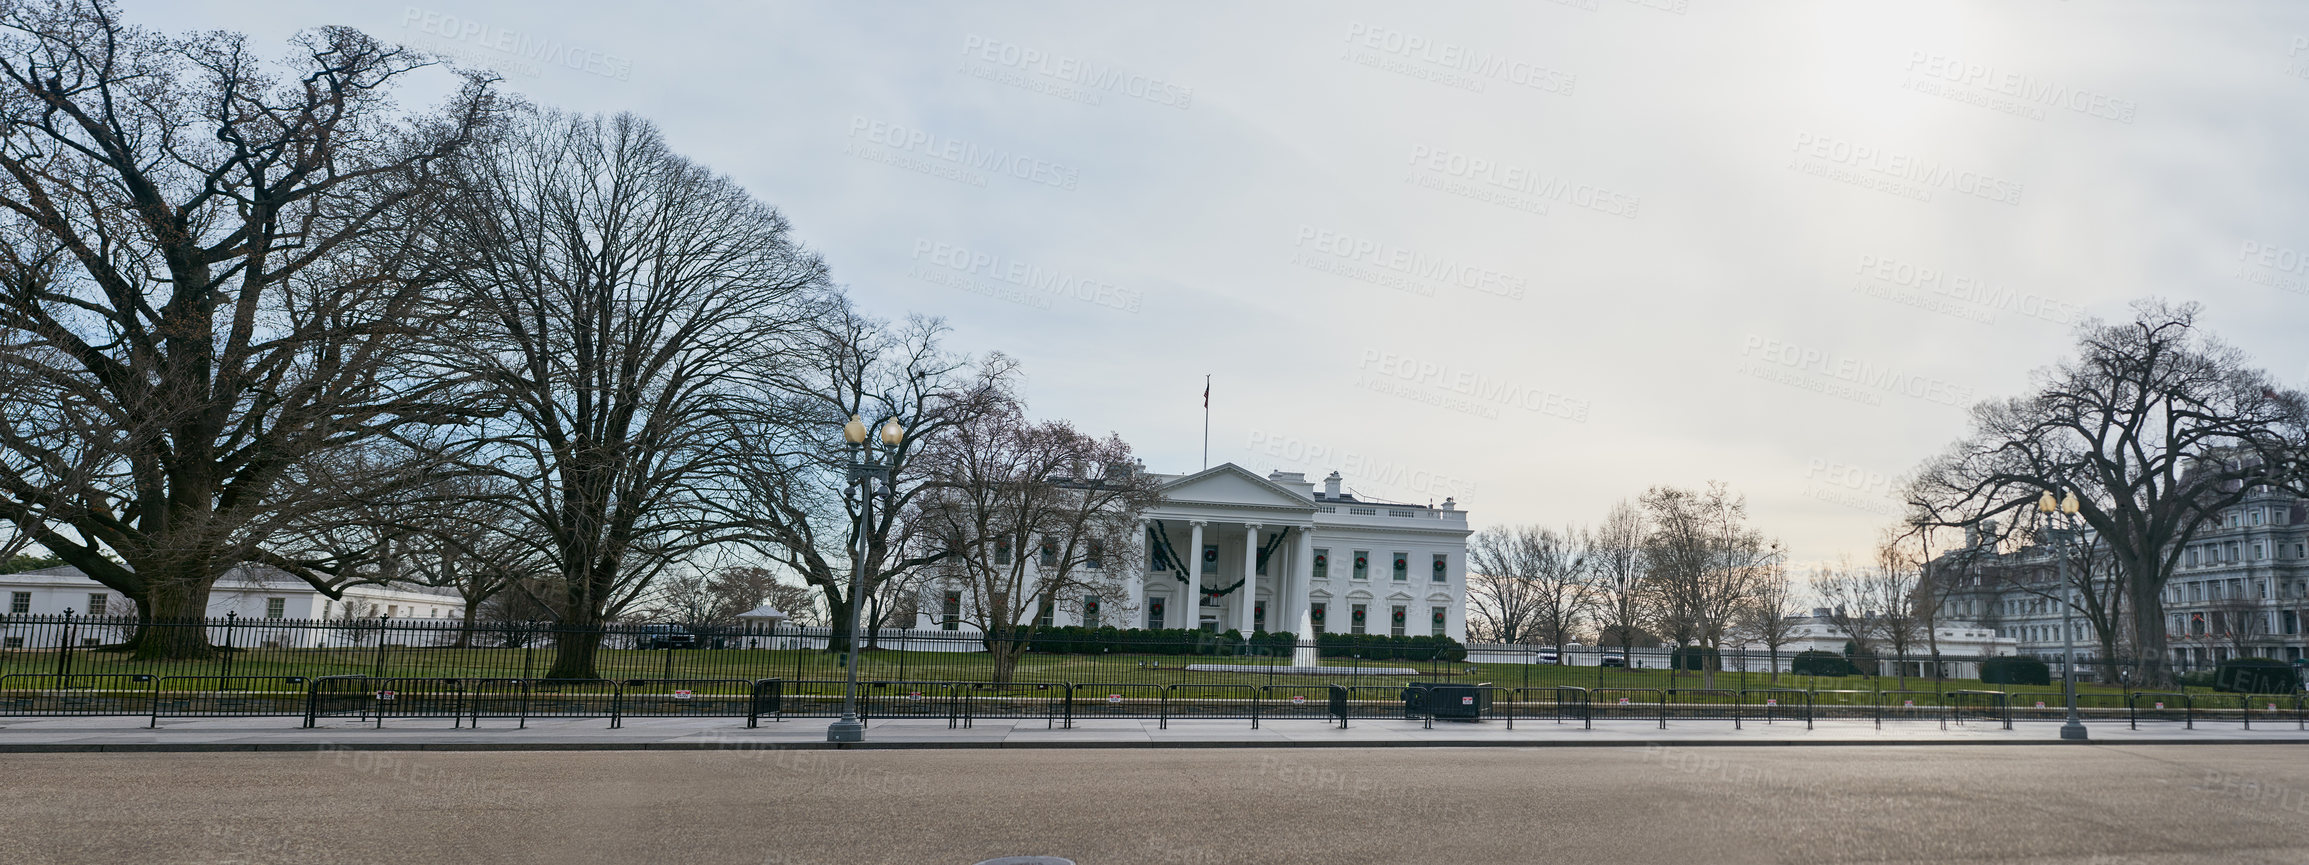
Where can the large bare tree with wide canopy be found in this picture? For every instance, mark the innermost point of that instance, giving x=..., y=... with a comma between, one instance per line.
x=211, y=269
x=2155, y=425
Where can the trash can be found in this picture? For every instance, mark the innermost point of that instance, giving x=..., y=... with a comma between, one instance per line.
x=1447, y=701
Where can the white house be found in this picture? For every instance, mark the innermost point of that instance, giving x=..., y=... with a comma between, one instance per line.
x=1264, y=549
x=253, y=595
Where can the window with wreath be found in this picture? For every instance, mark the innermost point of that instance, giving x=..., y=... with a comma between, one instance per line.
x=1322, y=563
x=1362, y=565
x=1315, y=614
x=1441, y=570
x=1402, y=567
x=1355, y=616
x=1436, y=618
x=1395, y=621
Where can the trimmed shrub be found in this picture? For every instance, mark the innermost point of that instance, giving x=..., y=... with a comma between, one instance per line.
x=1694, y=658
x=1814, y=662
x=2256, y=676
x=2015, y=671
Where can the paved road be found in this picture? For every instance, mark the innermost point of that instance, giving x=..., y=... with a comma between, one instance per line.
x=2097, y=804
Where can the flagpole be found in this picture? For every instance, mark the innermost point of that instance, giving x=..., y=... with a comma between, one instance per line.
x=1206, y=421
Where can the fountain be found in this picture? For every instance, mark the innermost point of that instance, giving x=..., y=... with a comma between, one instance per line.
x=1304, y=657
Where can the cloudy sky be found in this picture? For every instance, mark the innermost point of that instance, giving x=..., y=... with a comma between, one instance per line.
x=1536, y=256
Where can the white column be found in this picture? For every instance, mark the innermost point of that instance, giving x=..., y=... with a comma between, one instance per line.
x=1302, y=576
x=1139, y=570
x=1191, y=612
x=1250, y=576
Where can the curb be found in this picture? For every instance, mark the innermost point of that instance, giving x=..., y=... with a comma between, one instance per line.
x=302, y=747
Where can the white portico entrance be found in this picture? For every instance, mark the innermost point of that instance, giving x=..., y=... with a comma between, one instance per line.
x=1227, y=550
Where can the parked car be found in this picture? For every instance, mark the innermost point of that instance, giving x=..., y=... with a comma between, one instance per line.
x=665, y=637
x=1544, y=656
x=1614, y=659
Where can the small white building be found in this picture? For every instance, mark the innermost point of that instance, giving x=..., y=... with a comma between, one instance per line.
x=252, y=595
x=1229, y=549
x=1961, y=644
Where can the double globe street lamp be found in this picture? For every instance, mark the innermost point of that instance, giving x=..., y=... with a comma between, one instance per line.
x=2064, y=535
x=864, y=470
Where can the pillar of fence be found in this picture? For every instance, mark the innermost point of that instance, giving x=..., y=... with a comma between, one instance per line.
x=64, y=651
x=383, y=624
x=225, y=656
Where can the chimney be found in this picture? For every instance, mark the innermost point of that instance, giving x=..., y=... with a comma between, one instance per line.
x=1450, y=504
x=1331, y=486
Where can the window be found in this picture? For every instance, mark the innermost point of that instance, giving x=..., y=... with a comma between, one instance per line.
x=1315, y=615
x=1090, y=611
x=1441, y=572
x=1210, y=558
x=1395, y=621
x=1436, y=616
x=2192, y=557
x=2259, y=552
x=91, y=641
x=1093, y=555
x=279, y=607
x=1355, y=619
x=1402, y=567
x=1048, y=555
x=2256, y=517
x=19, y=602
x=1043, y=614
x=1002, y=551
x=1258, y=616
x=1322, y=563
x=950, y=611
x=1362, y=567
x=96, y=601
x=12, y=643
x=1154, y=613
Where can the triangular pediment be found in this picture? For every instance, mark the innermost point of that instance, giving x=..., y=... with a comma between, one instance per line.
x=1230, y=484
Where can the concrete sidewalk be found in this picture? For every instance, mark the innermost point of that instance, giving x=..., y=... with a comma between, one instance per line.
x=22, y=735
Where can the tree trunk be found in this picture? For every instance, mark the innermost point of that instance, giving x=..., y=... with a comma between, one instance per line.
x=2149, y=634
x=465, y=631
x=575, y=647
x=172, y=622
x=837, y=623
x=1005, y=654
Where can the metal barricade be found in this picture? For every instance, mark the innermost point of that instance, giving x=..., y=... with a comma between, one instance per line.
x=380, y=697
x=1991, y=706
x=680, y=698
x=1647, y=703
x=2158, y=706
x=1295, y=702
x=1118, y=700
x=228, y=697
x=882, y=701
x=1844, y=703
x=1777, y=704
x=1214, y=701
x=76, y=694
x=1701, y=704
x=1911, y=706
x=1015, y=700
x=1365, y=701
x=1557, y=703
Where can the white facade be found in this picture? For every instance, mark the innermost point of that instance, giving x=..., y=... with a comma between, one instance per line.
x=1411, y=580
x=251, y=595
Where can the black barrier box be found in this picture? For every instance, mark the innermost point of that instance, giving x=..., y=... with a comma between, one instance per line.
x=1448, y=701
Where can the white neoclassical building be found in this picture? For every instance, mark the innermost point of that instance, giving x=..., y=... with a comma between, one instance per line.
x=1229, y=549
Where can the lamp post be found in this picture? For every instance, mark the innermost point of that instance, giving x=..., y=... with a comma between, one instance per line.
x=863, y=470
x=2065, y=535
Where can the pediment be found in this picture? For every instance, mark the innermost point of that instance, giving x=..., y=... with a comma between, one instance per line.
x=1230, y=484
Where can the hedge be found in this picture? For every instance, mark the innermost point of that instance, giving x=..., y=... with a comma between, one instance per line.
x=1694, y=658
x=1071, y=640
x=2015, y=671
x=2256, y=676
x=1814, y=662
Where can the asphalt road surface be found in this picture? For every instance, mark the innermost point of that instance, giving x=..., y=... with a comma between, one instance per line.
x=2105, y=805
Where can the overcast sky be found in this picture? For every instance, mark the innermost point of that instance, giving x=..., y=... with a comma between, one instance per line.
x=1537, y=256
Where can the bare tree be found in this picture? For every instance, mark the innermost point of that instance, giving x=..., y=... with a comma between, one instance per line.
x=798, y=502
x=615, y=300
x=1769, y=617
x=211, y=272
x=1704, y=562
x=1529, y=583
x=1624, y=594
x=1848, y=595
x=1894, y=581
x=2155, y=425
x=1067, y=503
